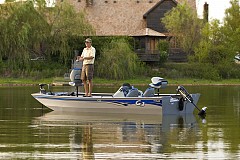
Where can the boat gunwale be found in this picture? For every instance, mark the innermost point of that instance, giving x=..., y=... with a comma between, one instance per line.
x=103, y=97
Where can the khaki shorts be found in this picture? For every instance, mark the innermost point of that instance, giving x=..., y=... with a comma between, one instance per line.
x=87, y=72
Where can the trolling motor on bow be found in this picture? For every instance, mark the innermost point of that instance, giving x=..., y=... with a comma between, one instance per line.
x=42, y=89
x=187, y=97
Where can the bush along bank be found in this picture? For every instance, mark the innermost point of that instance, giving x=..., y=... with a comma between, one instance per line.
x=200, y=71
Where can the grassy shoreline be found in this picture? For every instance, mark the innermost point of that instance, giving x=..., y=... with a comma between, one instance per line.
x=105, y=82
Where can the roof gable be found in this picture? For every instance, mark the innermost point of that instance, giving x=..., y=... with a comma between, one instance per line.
x=157, y=5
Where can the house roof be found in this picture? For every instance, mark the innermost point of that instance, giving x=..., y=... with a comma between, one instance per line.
x=124, y=17
x=147, y=32
x=155, y=6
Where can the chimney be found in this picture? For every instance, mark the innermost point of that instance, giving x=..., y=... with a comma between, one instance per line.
x=205, y=12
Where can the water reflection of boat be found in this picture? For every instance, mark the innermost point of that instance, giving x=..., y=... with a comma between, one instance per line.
x=93, y=136
x=115, y=117
x=180, y=121
x=99, y=117
x=166, y=121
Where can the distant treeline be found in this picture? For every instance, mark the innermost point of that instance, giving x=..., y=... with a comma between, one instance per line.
x=42, y=44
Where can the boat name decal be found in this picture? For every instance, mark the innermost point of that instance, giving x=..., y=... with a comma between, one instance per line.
x=140, y=103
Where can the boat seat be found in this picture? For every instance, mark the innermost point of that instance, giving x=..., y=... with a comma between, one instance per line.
x=126, y=88
x=123, y=90
x=149, y=92
x=75, y=77
x=158, y=82
x=133, y=93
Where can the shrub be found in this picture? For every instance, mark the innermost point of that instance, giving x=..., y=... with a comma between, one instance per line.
x=163, y=47
x=193, y=70
x=118, y=61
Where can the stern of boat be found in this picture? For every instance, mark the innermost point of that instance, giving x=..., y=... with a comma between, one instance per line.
x=178, y=105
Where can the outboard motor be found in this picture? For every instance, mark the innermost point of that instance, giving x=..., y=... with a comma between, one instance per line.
x=187, y=97
x=184, y=93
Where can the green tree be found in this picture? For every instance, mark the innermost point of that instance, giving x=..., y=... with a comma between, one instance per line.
x=163, y=47
x=31, y=28
x=182, y=22
x=219, y=42
x=65, y=23
x=118, y=61
x=231, y=28
x=210, y=48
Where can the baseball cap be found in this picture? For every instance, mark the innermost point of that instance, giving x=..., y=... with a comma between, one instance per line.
x=88, y=40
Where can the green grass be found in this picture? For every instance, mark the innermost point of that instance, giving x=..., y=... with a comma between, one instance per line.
x=136, y=81
x=24, y=81
x=204, y=82
x=147, y=80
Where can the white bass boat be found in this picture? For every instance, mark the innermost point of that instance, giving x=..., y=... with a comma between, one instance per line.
x=126, y=100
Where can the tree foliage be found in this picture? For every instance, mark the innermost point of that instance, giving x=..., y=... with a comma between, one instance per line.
x=220, y=42
x=118, y=61
x=231, y=27
x=182, y=22
x=163, y=47
x=210, y=48
x=31, y=29
x=65, y=23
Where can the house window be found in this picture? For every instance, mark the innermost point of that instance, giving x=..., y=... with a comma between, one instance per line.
x=139, y=45
x=174, y=42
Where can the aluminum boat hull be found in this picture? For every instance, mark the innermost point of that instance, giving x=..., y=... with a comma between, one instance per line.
x=160, y=104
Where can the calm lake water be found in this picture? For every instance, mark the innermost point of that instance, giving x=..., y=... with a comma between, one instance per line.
x=28, y=131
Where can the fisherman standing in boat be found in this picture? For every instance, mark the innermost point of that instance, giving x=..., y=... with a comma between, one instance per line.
x=88, y=57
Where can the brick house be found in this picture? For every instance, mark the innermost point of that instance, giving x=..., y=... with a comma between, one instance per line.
x=140, y=19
